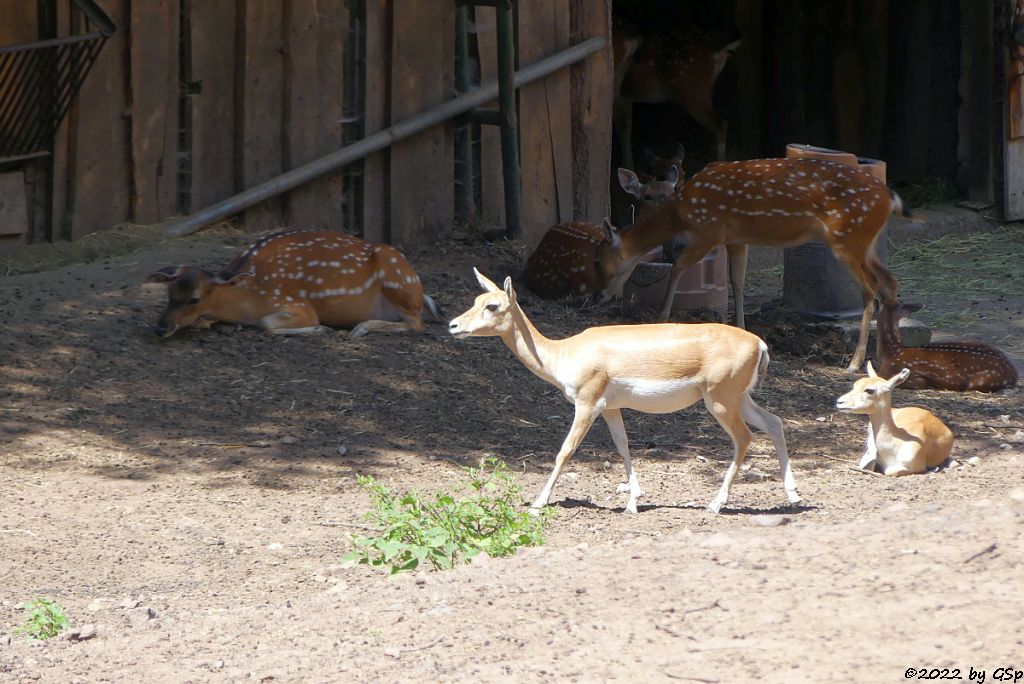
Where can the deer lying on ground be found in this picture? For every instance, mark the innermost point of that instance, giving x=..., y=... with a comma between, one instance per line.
x=565, y=262
x=682, y=67
x=774, y=202
x=299, y=281
x=901, y=441
x=660, y=368
x=958, y=366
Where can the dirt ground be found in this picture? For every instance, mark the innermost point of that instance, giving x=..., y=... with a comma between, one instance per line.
x=191, y=499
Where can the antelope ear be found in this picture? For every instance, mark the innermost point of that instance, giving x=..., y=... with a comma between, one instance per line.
x=485, y=282
x=629, y=182
x=672, y=177
x=680, y=152
x=611, y=233
x=509, y=290
x=871, y=371
x=165, y=275
x=899, y=378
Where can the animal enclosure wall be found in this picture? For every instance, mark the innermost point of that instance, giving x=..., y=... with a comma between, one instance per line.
x=194, y=100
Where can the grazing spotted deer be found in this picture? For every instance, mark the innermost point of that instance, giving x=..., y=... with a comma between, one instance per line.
x=682, y=67
x=299, y=281
x=773, y=202
x=565, y=262
x=660, y=368
x=958, y=366
x=901, y=441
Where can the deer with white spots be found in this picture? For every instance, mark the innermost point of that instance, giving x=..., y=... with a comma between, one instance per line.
x=300, y=281
x=958, y=366
x=772, y=202
x=565, y=263
x=682, y=67
x=901, y=441
x=660, y=368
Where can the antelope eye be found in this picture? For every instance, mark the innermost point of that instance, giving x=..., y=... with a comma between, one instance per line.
x=491, y=307
x=869, y=390
x=194, y=300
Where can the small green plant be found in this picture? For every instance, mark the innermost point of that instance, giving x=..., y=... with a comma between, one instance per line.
x=45, y=619
x=447, y=531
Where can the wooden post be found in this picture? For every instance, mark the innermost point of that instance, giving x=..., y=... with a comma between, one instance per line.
x=376, y=112
x=592, y=84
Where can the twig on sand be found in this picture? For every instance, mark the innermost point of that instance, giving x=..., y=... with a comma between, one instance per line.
x=715, y=604
x=28, y=532
x=397, y=652
x=865, y=471
x=673, y=675
x=329, y=523
x=988, y=549
x=668, y=630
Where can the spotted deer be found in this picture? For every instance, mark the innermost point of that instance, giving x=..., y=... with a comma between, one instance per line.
x=299, y=281
x=682, y=67
x=773, y=202
x=659, y=368
x=565, y=262
x=901, y=441
x=958, y=366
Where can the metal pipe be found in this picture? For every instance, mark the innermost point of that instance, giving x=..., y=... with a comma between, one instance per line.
x=379, y=141
x=507, y=107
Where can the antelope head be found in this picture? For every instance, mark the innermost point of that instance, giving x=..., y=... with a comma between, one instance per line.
x=189, y=294
x=492, y=314
x=871, y=394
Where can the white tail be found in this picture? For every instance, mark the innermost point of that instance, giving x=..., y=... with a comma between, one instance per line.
x=658, y=368
x=657, y=67
x=901, y=441
x=293, y=281
x=959, y=366
x=774, y=202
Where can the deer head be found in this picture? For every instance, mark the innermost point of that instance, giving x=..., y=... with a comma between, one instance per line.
x=652, y=192
x=612, y=265
x=492, y=314
x=871, y=394
x=190, y=294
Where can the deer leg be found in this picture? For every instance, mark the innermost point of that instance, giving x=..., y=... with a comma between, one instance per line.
x=737, y=274
x=581, y=422
x=703, y=112
x=618, y=430
x=367, y=327
x=393, y=311
x=770, y=424
x=728, y=416
x=693, y=253
x=294, y=321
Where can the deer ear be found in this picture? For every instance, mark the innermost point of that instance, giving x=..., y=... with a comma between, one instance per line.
x=680, y=152
x=485, y=282
x=611, y=233
x=673, y=176
x=509, y=290
x=630, y=183
x=871, y=371
x=165, y=275
x=233, y=278
x=899, y=378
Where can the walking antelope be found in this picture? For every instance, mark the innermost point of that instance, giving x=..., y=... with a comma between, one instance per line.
x=659, y=368
x=901, y=441
x=959, y=366
x=773, y=202
x=298, y=281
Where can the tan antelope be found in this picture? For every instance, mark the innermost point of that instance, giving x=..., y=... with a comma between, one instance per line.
x=958, y=366
x=901, y=441
x=565, y=262
x=299, y=281
x=682, y=67
x=659, y=368
x=773, y=202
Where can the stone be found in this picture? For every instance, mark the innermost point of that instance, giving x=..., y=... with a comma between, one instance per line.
x=82, y=633
x=769, y=520
x=138, y=617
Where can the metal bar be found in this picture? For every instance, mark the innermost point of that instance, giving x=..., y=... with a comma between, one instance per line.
x=379, y=141
x=53, y=42
x=507, y=107
x=465, y=207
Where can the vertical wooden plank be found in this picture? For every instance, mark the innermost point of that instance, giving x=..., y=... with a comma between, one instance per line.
x=258, y=131
x=1013, y=154
x=545, y=130
x=592, y=84
x=213, y=106
x=376, y=110
x=422, y=167
x=873, y=39
x=314, y=105
x=492, y=188
x=100, y=179
x=153, y=52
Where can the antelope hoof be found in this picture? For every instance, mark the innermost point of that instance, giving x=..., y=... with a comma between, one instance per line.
x=794, y=498
x=853, y=368
x=715, y=506
x=631, y=506
x=534, y=511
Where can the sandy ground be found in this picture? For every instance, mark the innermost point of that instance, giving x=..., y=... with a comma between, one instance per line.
x=191, y=500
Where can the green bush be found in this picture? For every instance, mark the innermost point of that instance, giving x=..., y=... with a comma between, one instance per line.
x=45, y=619
x=447, y=531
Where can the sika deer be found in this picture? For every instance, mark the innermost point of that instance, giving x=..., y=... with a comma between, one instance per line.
x=775, y=202
x=657, y=67
x=659, y=368
x=958, y=366
x=298, y=281
x=565, y=262
x=901, y=441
